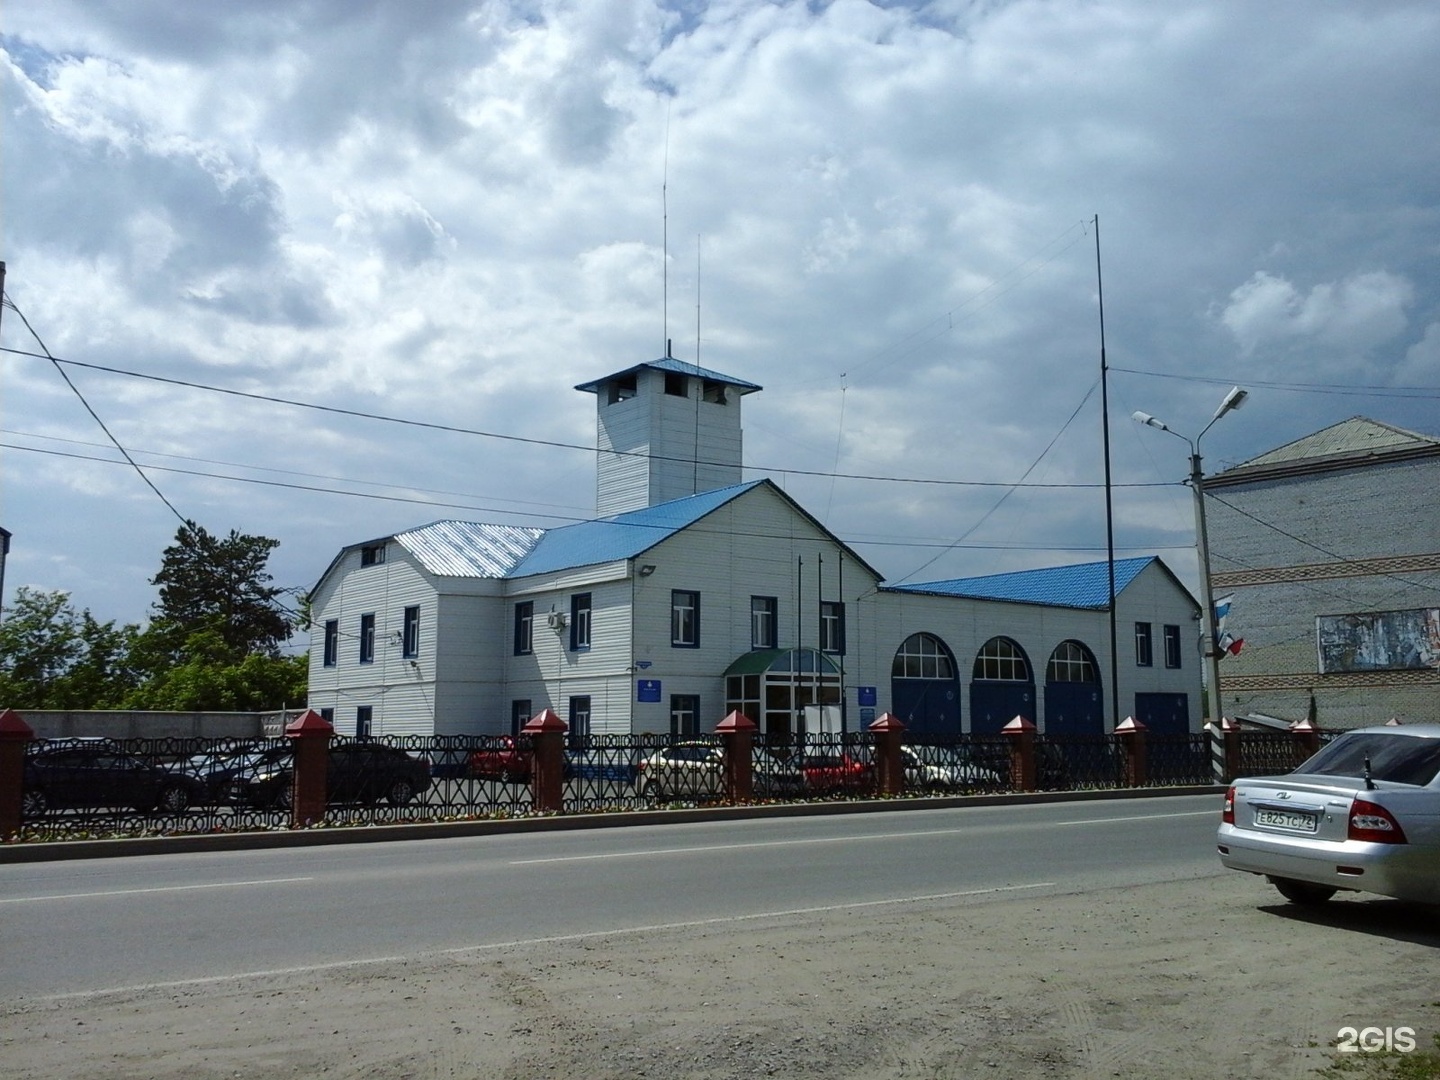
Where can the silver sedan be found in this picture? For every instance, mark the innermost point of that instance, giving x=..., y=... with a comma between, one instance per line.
x=1363, y=815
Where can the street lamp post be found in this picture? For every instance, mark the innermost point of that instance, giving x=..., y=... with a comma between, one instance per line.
x=1211, y=645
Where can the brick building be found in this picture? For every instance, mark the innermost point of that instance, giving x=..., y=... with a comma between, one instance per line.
x=1330, y=548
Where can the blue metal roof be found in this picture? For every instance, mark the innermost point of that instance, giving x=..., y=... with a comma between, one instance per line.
x=623, y=536
x=680, y=367
x=1083, y=585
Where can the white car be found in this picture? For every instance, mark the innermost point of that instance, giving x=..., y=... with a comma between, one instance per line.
x=1363, y=815
x=947, y=768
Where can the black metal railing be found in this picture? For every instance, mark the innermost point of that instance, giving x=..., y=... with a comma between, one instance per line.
x=112, y=787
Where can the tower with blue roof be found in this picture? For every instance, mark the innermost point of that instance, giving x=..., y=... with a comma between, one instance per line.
x=665, y=430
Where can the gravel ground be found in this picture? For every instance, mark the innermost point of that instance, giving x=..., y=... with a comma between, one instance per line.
x=1203, y=978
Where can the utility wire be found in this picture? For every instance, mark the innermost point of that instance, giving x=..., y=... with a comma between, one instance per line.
x=553, y=443
x=58, y=365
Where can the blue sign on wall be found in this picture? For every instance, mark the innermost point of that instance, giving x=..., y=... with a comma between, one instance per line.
x=647, y=690
x=866, y=695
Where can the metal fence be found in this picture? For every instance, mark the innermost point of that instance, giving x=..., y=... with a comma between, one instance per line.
x=77, y=788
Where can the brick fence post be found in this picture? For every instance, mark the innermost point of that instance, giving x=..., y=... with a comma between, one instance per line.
x=1021, y=733
x=1307, y=739
x=737, y=737
x=14, y=734
x=1132, y=738
x=547, y=772
x=1230, y=735
x=888, y=730
x=311, y=734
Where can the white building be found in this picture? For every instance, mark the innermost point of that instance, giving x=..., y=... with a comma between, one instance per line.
x=697, y=594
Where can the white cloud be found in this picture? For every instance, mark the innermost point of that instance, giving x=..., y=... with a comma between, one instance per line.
x=452, y=211
x=1358, y=313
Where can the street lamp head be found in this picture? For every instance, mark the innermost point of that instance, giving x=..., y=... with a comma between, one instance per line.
x=1148, y=420
x=1233, y=400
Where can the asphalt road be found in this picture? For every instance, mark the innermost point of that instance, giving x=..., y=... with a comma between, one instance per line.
x=115, y=923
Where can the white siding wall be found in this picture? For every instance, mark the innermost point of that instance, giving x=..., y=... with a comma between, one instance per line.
x=400, y=695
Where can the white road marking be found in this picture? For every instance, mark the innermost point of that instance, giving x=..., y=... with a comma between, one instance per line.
x=1145, y=817
x=705, y=849
x=555, y=939
x=156, y=889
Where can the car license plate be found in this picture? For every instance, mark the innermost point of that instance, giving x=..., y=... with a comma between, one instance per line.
x=1287, y=819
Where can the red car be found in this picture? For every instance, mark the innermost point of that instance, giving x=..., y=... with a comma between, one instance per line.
x=502, y=761
x=828, y=774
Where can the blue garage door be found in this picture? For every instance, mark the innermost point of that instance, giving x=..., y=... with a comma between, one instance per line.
x=1163, y=714
x=1074, y=704
x=925, y=686
x=1001, y=686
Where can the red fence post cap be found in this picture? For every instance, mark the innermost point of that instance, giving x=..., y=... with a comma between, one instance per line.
x=1018, y=726
x=736, y=721
x=13, y=727
x=544, y=721
x=309, y=722
x=1129, y=726
x=1303, y=726
x=887, y=722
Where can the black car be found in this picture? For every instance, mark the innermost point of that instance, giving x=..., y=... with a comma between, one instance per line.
x=359, y=772
x=95, y=775
x=214, y=773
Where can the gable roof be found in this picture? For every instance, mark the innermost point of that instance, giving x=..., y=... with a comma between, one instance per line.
x=469, y=548
x=1356, y=441
x=679, y=367
x=623, y=536
x=1082, y=585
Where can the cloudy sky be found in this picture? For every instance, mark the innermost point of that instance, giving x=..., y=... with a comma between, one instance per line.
x=241, y=226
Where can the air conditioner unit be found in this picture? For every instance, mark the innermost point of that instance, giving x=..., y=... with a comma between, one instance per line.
x=556, y=620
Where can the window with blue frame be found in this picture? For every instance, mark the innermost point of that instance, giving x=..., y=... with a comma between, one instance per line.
x=832, y=626
x=367, y=639
x=684, y=619
x=332, y=642
x=1144, y=647
x=580, y=622
x=524, y=627
x=764, y=622
x=1172, y=646
x=410, y=637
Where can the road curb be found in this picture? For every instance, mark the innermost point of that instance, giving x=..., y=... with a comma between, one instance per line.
x=51, y=851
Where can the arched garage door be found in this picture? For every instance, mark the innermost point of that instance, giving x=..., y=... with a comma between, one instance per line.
x=1001, y=686
x=1074, y=704
x=925, y=686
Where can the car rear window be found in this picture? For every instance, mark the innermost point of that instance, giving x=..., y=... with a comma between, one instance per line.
x=1400, y=759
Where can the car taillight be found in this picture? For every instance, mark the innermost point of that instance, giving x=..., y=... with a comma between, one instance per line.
x=1374, y=824
x=1227, y=812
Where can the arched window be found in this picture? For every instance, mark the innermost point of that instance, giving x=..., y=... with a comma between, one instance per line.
x=1001, y=660
x=923, y=656
x=1071, y=662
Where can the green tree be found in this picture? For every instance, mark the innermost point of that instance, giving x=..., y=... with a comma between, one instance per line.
x=54, y=657
x=213, y=675
x=220, y=584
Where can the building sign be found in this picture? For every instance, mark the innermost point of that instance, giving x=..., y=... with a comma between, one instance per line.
x=647, y=690
x=1379, y=641
x=866, y=694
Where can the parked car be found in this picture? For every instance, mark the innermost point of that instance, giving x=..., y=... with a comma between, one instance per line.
x=501, y=761
x=696, y=770
x=213, y=773
x=1363, y=814
x=363, y=772
x=91, y=775
x=947, y=768
x=846, y=773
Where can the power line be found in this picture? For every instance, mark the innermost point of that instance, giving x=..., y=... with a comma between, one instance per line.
x=553, y=443
x=94, y=415
x=1422, y=392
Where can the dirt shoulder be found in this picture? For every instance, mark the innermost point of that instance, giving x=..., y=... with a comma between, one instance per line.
x=1206, y=978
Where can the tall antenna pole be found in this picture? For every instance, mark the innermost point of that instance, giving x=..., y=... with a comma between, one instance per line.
x=699, y=390
x=1109, y=508
x=665, y=237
